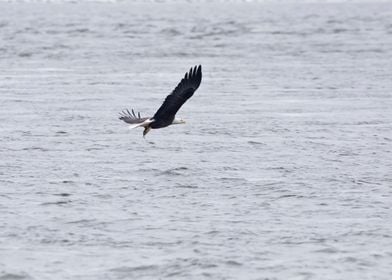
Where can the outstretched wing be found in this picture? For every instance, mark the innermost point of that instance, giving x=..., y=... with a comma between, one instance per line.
x=179, y=95
x=131, y=118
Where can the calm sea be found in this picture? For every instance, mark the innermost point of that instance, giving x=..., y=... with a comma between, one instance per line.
x=282, y=171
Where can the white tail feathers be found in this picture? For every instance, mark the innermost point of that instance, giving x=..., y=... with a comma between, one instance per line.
x=142, y=124
x=132, y=126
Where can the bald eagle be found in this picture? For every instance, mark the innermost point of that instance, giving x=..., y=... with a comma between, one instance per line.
x=165, y=115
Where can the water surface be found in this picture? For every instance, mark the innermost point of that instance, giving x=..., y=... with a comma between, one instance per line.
x=281, y=172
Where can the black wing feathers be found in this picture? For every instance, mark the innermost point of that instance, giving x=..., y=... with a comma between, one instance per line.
x=131, y=118
x=179, y=95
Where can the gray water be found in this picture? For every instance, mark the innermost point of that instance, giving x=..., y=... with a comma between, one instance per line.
x=282, y=171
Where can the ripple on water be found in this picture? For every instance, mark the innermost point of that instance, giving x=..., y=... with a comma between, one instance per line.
x=14, y=276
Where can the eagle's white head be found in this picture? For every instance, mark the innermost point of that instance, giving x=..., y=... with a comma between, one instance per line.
x=178, y=121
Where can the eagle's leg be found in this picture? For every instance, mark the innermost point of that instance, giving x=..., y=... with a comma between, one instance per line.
x=146, y=130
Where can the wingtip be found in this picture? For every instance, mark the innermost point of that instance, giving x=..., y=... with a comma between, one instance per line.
x=198, y=73
x=197, y=70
